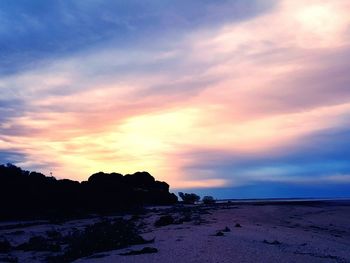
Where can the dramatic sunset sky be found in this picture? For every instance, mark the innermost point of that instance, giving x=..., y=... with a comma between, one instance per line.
x=241, y=98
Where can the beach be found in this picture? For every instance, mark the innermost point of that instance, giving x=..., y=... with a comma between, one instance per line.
x=280, y=231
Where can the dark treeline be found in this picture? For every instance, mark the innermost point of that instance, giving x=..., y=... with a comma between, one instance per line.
x=25, y=194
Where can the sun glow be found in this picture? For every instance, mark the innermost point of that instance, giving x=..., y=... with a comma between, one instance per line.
x=243, y=86
x=322, y=23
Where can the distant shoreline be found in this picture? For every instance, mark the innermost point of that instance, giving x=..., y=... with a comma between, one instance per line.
x=281, y=199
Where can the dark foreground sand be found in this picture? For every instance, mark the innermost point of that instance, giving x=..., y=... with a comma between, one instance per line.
x=269, y=232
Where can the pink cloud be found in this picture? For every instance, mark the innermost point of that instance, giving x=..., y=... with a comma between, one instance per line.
x=248, y=86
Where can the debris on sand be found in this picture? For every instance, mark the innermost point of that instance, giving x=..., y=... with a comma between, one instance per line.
x=164, y=221
x=145, y=250
x=226, y=229
x=275, y=242
x=219, y=234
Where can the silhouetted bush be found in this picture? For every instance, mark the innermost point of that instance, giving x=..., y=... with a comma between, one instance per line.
x=5, y=245
x=39, y=243
x=100, y=237
x=53, y=234
x=208, y=200
x=38, y=195
x=164, y=221
x=186, y=216
x=189, y=198
x=9, y=259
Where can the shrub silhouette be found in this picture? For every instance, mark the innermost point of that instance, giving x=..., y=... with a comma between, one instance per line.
x=5, y=245
x=208, y=200
x=100, y=237
x=164, y=221
x=34, y=195
x=39, y=243
x=189, y=198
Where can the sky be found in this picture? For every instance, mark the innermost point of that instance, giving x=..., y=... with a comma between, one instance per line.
x=236, y=98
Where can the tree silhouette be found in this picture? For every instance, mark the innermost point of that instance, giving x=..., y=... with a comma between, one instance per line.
x=32, y=194
x=189, y=198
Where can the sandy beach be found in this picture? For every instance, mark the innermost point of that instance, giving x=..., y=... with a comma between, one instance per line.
x=236, y=232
